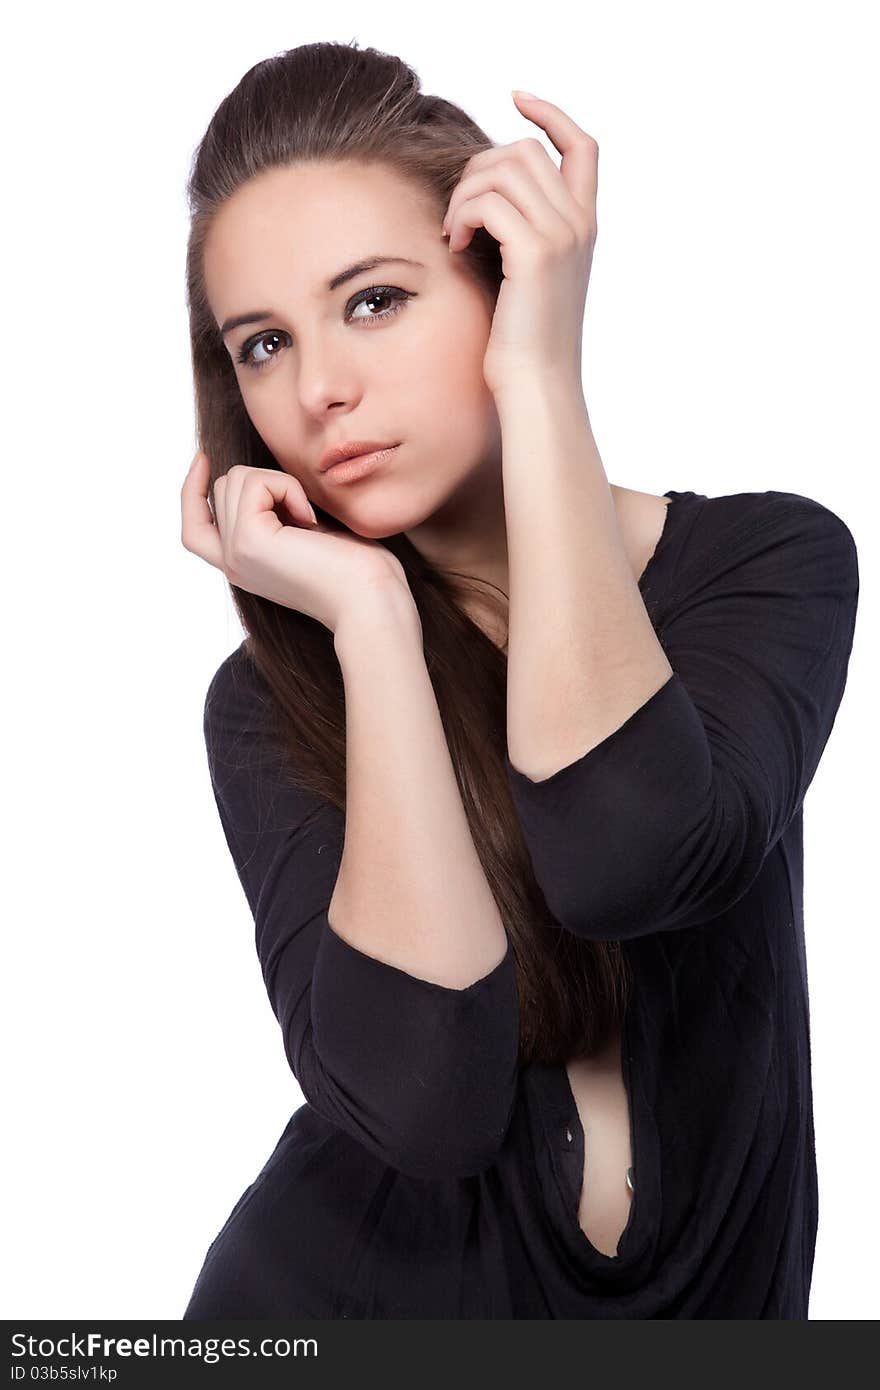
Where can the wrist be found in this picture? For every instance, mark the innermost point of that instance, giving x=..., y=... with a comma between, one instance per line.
x=389, y=608
x=519, y=388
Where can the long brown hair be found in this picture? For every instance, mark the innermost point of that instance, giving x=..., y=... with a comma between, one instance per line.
x=332, y=102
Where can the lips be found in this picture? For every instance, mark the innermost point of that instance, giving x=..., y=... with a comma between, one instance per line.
x=350, y=470
x=354, y=448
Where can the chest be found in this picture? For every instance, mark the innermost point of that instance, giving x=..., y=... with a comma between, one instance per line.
x=600, y=1097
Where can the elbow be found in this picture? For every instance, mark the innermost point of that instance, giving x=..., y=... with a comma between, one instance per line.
x=459, y=1151
x=616, y=886
x=455, y=1101
x=451, y=1100
x=609, y=911
x=443, y=1163
x=425, y=1076
x=425, y=1127
x=685, y=872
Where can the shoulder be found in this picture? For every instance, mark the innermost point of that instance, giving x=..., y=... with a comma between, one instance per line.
x=733, y=527
x=776, y=558
x=770, y=542
x=772, y=507
x=776, y=526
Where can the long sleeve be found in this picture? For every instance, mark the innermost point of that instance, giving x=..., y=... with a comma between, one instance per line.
x=667, y=822
x=422, y=1075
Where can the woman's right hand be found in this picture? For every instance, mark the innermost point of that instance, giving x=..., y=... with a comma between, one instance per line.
x=322, y=573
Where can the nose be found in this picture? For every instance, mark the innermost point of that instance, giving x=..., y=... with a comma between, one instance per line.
x=326, y=376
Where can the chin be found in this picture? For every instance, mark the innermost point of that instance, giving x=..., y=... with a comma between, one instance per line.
x=377, y=518
x=373, y=533
x=366, y=527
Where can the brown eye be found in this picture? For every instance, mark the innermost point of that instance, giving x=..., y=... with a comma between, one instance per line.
x=246, y=357
x=375, y=294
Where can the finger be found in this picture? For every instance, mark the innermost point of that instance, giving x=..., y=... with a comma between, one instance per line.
x=282, y=487
x=198, y=532
x=540, y=166
x=543, y=199
x=580, y=152
x=502, y=221
x=257, y=492
x=226, y=490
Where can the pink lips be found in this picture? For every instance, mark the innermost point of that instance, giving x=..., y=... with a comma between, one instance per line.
x=349, y=470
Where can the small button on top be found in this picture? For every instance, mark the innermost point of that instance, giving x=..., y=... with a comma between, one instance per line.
x=568, y=1135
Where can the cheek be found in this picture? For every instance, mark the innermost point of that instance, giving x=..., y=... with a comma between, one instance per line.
x=258, y=405
x=446, y=362
x=445, y=370
x=462, y=429
x=274, y=430
x=453, y=331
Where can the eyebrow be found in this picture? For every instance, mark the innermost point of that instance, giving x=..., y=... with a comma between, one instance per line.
x=370, y=263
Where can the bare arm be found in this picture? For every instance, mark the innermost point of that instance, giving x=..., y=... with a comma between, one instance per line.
x=411, y=889
x=651, y=788
x=582, y=654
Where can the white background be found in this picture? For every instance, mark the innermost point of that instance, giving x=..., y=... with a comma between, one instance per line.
x=730, y=345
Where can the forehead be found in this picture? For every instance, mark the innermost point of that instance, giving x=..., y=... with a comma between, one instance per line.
x=308, y=221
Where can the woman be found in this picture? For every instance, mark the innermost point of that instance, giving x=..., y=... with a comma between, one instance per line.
x=511, y=761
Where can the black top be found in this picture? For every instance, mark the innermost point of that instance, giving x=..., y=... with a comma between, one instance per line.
x=426, y=1176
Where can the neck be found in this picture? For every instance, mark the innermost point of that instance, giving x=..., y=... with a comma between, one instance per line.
x=468, y=534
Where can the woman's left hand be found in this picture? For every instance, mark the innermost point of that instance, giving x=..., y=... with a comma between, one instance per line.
x=544, y=218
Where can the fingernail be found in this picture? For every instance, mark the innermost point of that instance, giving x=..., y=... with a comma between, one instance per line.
x=314, y=517
x=529, y=96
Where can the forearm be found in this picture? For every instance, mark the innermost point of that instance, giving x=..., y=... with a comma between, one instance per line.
x=411, y=889
x=582, y=654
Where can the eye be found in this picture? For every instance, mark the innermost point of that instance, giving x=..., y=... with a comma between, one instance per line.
x=398, y=300
x=246, y=357
x=378, y=292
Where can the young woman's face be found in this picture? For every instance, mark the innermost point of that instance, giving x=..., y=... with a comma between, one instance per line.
x=393, y=354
